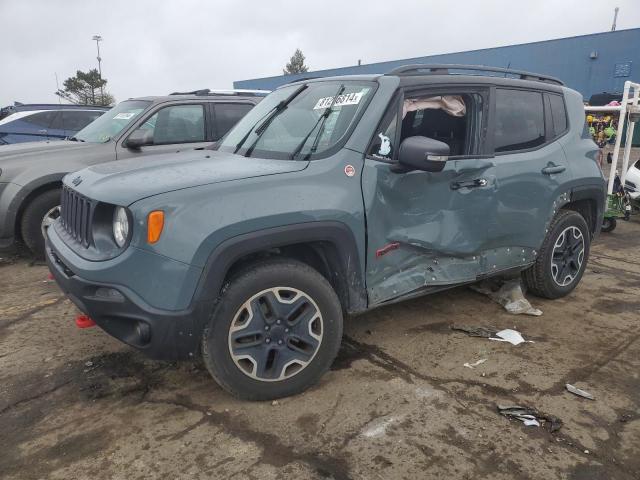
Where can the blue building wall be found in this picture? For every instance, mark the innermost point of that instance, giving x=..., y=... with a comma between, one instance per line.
x=569, y=59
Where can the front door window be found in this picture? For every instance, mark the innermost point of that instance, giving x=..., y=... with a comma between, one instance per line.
x=176, y=124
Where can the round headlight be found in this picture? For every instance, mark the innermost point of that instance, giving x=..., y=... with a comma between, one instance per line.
x=120, y=226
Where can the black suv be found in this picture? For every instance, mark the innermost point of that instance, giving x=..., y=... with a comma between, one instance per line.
x=31, y=173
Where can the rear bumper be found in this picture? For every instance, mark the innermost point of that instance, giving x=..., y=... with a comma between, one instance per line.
x=160, y=334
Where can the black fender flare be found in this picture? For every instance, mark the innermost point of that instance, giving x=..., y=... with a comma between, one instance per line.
x=338, y=234
x=596, y=193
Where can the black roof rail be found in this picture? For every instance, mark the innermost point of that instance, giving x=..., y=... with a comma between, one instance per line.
x=204, y=91
x=445, y=69
x=240, y=92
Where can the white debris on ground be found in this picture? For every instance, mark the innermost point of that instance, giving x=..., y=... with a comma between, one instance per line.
x=579, y=392
x=512, y=336
x=475, y=364
x=378, y=427
x=508, y=294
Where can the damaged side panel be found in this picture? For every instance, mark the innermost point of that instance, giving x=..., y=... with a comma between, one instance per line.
x=421, y=233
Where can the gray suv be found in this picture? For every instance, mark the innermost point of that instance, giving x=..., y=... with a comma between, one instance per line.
x=31, y=173
x=333, y=196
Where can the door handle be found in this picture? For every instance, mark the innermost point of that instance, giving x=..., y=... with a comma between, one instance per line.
x=478, y=182
x=552, y=168
x=42, y=131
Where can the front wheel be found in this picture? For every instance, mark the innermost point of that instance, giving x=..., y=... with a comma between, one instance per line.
x=41, y=212
x=562, y=258
x=608, y=224
x=275, y=331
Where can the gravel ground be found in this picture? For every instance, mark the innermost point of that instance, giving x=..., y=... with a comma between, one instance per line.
x=398, y=403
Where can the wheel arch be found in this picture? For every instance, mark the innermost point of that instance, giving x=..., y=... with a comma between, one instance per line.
x=327, y=246
x=589, y=202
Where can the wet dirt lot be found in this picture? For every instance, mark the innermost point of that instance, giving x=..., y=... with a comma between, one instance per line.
x=398, y=403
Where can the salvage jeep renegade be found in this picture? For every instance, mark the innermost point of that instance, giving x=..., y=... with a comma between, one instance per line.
x=331, y=197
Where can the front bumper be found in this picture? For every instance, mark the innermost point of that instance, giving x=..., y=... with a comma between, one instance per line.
x=160, y=334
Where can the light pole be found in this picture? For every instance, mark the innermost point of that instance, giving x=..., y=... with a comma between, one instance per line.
x=98, y=39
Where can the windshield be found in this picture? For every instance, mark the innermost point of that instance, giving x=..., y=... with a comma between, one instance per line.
x=107, y=126
x=300, y=121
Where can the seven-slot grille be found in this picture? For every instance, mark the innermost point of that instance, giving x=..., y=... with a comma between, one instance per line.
x=75, y=214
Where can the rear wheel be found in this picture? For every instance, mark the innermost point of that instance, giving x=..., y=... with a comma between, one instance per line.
x=562, y=258
x=274, y=332
x=39, y=215
x=608, y=224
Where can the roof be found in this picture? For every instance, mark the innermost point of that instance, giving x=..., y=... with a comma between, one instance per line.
x=21, y=107
x=189, y=96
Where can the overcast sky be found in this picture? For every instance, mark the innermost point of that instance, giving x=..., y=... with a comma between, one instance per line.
x=155, y=47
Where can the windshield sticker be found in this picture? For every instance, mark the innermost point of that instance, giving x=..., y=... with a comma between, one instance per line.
x=124, y=116
x=385, y=145
x=340, y=100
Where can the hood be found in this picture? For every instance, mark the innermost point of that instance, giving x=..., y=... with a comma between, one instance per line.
x=35, y=149
x=126, y=181
x=16, y=157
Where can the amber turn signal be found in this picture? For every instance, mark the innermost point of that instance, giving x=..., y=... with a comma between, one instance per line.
x=155, y=223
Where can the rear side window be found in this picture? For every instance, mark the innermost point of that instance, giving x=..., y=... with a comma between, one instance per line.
x=41, y=119
x=227, y=115
x=519, y=123
x=558, y=114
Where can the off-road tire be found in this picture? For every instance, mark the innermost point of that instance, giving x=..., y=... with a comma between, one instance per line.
x=539, y=278
x=270, y=274
x=608, y=225
x=31, y=221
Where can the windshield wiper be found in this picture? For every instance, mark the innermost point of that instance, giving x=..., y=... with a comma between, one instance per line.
x=75, y=139
x=264, y=124
x=321, y=120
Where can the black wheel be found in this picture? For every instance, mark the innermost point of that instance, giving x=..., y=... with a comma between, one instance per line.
x=562, y=259
x=608, y=224
x=37, y=217
x=274, y=332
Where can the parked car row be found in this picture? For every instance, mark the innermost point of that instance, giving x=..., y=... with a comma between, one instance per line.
x=330, y=197
x=31, y=173
x=39, y=122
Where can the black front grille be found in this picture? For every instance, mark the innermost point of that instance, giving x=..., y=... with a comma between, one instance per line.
x=76, y=213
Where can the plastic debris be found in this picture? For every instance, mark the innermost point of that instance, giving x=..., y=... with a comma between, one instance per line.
x=508, y=294
x=512, y=336
x=492, y=333
x=475, y=331
x=475, y=364
x=531, y=417
x=580, y=393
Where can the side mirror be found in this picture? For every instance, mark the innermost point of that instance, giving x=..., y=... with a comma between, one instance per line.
x=423, y=153
x=139, y=138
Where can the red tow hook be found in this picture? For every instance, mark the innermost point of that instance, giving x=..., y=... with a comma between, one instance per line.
x=84, y=321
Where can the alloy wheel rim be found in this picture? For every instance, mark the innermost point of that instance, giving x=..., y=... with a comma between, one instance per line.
x=567, y=256
x=50, y=217
x=275, y=334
